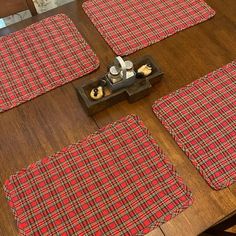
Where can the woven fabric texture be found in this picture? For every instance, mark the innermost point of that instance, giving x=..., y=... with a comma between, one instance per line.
x=202, y=119
x=115, y=182
x=40, y=58
x=130, y=25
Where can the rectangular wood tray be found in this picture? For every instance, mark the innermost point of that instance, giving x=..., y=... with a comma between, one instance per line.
x=136, y=91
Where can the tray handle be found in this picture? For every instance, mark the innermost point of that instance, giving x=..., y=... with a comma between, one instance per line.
x=119, y=63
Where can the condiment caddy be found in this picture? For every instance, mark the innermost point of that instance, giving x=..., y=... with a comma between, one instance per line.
x=124, y=80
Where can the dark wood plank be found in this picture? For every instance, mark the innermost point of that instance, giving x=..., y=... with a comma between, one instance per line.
x=156, y=232
x=221, y=227
x=31, y=7
x=12, y=7
x=209, y=206
x=41, y=127
x=34, y=130
x=8, y=224
x=233, y=189
x=184, y=58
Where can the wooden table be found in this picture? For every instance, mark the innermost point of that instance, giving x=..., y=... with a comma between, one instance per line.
x=48, y=123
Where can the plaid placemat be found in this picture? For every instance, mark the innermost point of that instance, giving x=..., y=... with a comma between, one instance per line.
x=115, y=182
x=202, y=119
x=40, y=58
x=130, y=25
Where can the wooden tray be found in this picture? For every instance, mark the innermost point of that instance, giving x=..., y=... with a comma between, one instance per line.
x=136, y=91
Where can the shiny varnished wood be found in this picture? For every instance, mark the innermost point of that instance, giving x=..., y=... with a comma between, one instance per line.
x=46, y=124
x=12, y=7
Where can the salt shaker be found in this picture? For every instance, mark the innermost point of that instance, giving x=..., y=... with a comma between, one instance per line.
x=114, y=75
x=129, y=69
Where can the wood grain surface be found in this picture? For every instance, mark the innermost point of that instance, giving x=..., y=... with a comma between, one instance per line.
x=12, y=7
x=48, y=123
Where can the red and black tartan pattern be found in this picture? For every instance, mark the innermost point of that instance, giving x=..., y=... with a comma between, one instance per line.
x=202, y=119
x=130, y=25
x=40, y=58
x=115, y=182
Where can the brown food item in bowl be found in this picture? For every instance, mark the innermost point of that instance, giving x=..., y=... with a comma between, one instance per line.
x=97, y=93
x=144, y=71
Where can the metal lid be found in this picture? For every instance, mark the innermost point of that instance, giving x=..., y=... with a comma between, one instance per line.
x=129, y=65
x=113, y=70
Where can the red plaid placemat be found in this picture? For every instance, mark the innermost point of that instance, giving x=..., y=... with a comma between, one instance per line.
x=115, y=182
x=130, y=25
x=40, y=58
x=202, y=119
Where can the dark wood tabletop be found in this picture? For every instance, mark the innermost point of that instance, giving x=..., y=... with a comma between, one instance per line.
x=46, y=124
